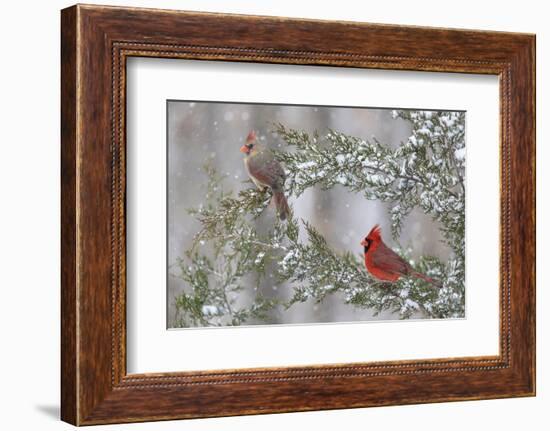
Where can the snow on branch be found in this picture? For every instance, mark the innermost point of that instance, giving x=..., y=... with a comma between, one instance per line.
x=228, y=253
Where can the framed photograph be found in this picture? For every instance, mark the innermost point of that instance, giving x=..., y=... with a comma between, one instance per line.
x=264, y=215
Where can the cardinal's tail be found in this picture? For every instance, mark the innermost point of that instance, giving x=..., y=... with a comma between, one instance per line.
x=281, y=204
x=433, y=282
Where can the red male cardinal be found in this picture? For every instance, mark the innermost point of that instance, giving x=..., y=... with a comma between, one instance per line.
x=385, y=264
x=266, y=172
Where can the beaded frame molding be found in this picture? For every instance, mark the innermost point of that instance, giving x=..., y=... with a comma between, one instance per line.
x=95, y=43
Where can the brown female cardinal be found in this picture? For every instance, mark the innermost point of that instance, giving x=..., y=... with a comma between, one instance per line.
x=385, y=264
x=266, y=172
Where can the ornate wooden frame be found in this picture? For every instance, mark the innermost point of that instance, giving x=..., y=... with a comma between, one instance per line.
x=95, y=43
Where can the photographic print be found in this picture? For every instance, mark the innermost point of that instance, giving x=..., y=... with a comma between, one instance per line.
x=239, y=207
x=295, y=214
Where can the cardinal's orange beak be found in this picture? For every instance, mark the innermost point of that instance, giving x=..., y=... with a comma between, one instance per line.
x=244, y=149
x=363, y=243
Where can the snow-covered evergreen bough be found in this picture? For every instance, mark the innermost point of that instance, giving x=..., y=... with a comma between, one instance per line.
x=229, y=255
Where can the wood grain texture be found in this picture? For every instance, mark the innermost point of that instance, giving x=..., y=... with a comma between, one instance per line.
x=96, y=41
x=69, y=397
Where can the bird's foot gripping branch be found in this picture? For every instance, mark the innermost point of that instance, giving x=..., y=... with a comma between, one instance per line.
x=241, y=246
